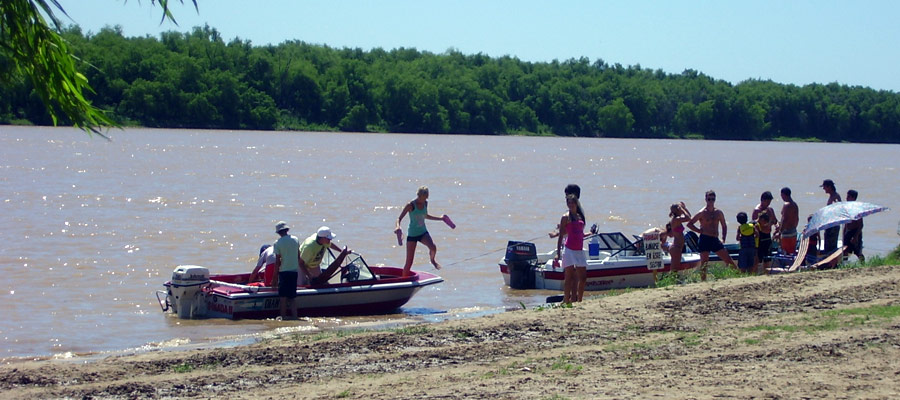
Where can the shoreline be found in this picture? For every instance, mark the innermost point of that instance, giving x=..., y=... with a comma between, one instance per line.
x=311, y=326
x=810, y=334
x=777, y=139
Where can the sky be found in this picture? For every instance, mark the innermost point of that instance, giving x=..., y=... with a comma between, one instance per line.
x=787, y=41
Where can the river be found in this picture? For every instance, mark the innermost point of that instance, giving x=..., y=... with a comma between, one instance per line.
x=92, y=228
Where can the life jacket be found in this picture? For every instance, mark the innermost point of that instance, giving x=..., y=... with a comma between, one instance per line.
x=747, y=237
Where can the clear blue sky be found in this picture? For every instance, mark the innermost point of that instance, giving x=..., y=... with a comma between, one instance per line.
x=787, y=41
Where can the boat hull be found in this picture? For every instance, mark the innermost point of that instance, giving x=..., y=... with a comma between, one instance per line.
x=612, y=273
x=222, y=298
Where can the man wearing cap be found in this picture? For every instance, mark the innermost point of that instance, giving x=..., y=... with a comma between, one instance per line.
x=311, y=252
x=287, y=264
x=831, y=234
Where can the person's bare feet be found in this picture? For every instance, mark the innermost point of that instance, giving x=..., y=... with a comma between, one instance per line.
x=436, y=265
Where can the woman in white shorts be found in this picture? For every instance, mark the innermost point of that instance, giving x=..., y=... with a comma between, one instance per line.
x=574, y=263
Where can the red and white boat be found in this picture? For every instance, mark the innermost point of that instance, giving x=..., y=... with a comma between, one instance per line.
x=357, y=290
x=616, y=263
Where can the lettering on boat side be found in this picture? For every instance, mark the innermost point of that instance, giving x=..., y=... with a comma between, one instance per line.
x=219, y=307
x=271, y=303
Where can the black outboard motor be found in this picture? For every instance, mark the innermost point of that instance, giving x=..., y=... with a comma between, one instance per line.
x=521, y=258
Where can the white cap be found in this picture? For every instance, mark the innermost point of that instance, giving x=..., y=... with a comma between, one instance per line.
x=325, y=232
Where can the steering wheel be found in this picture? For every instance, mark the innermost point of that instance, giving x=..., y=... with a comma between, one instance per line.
x=350, y=273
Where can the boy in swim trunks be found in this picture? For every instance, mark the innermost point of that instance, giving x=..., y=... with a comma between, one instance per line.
x=786, y=229
x=710, y=219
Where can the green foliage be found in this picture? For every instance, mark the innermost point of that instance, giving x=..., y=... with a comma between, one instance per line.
x=716, y=271
x=30, y=48
x=198, y=80
x=183, y=368
x=552, y=306
x=827, y=321
x=894, y=256
x=413, y=330
x=36, y=61
x=562, y=363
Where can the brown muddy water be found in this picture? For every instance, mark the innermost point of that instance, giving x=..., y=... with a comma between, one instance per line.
x=90, y=228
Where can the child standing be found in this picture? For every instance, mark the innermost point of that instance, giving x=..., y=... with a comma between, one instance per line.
x=747, y=236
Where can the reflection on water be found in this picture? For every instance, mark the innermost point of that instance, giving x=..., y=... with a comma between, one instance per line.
x=91, y=229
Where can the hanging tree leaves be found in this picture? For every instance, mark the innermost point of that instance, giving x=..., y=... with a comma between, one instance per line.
x=31, y=48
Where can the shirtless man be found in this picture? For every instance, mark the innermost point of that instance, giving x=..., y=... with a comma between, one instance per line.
x=710, y=218
x=790, y=218
x=765, y=204
x=831, y=234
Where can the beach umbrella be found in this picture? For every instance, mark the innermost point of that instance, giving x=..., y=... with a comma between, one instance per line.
x=838, y=214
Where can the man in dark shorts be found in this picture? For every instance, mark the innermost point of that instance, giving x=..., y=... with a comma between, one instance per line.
x=853, y=233
x=287, y=263
x=831, y=234
x=710, y=219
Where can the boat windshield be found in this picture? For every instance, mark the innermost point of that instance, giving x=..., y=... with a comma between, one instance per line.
x=616, y=243
x=353, y=269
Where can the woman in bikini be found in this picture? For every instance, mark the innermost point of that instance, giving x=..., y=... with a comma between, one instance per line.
x=679, y=214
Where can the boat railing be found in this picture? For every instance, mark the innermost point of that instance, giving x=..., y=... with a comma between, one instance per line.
x=164, y=301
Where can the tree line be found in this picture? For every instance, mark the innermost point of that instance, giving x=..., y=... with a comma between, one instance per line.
x=198, y=80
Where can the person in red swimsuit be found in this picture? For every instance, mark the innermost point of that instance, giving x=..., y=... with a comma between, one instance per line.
x=679, y=214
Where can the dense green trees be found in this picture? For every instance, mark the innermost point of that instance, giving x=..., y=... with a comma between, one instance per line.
x=198, y=80
x=34, y=55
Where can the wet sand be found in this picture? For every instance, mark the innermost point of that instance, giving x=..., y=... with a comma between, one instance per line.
x=826, y=334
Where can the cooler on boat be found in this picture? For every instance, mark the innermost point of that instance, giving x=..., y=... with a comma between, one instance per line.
x=521, y=259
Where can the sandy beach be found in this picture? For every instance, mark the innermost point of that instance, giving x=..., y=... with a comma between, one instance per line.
x=826, y=334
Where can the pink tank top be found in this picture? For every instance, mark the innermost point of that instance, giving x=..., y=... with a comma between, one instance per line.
x=575, y=235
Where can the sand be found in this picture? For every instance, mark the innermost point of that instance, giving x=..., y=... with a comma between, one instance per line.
x=824, y=334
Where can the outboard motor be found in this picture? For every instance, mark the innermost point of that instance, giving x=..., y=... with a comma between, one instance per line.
x=521, y=259
x=184, y=292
